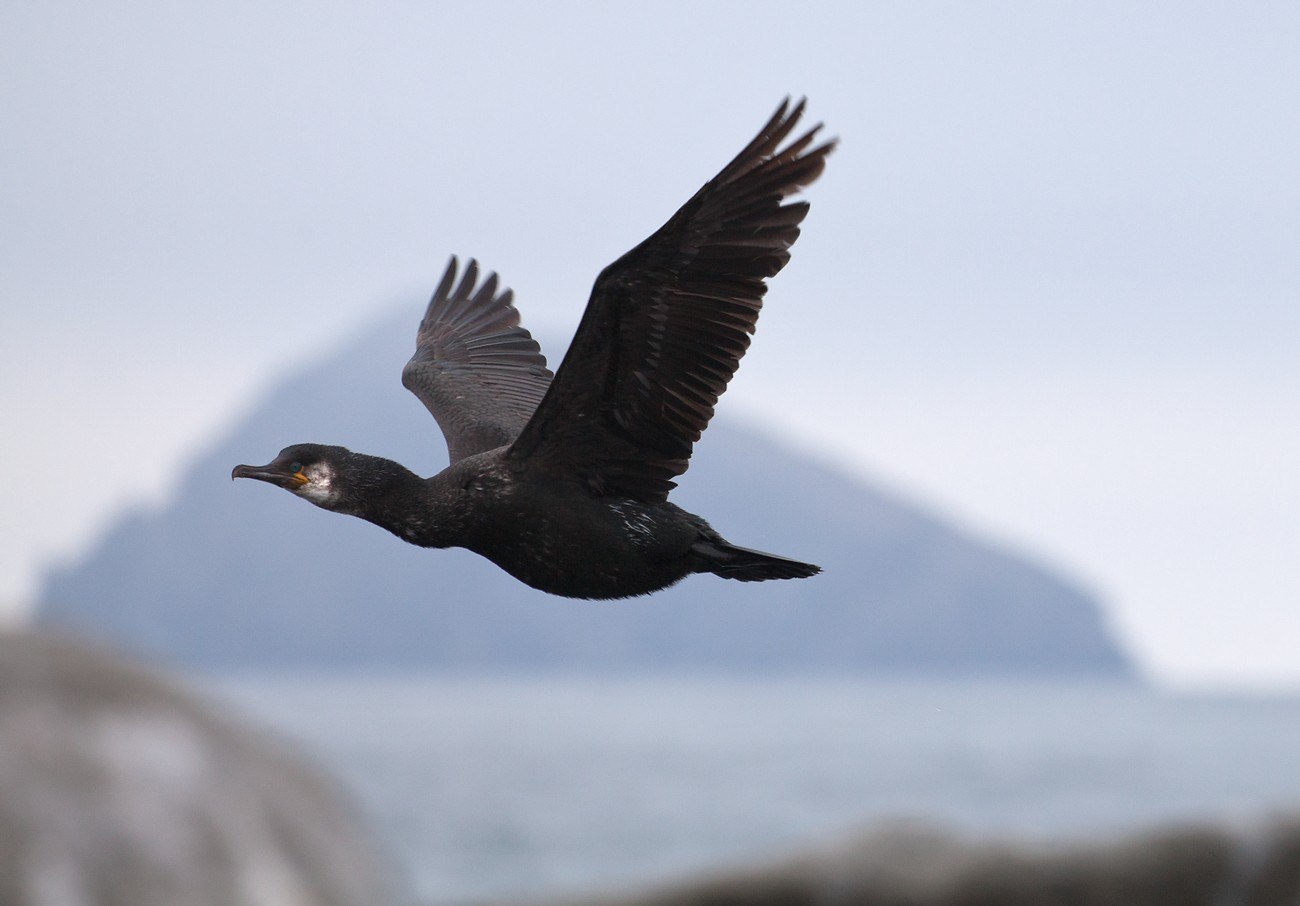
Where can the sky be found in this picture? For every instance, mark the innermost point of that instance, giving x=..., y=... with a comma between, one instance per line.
x=1049, y=287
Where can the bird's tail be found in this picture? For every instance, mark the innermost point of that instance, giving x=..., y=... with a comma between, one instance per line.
x=730, y=562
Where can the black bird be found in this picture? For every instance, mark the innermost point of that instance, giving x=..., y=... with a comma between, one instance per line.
x=564, y=483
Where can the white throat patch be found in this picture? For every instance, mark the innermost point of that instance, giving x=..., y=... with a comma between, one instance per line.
x=319, y=488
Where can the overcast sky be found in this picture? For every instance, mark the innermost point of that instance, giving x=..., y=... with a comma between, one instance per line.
x=1050, y=285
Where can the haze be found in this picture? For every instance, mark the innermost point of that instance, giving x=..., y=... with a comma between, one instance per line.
x=1049, y=283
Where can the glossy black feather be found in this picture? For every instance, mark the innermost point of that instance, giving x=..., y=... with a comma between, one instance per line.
x=668, y=323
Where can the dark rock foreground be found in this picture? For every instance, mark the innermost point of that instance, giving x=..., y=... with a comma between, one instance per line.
x=1187, y=866
x=119, y=789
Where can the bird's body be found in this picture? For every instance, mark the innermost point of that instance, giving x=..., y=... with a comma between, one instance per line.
x=563, y=483
x=548, y=533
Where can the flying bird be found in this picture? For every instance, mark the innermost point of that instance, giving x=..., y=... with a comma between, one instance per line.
x=563, y=481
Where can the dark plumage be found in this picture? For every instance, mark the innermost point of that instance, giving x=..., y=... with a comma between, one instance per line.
x=564, y=483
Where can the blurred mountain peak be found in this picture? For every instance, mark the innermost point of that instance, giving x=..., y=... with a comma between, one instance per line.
x=238, y=576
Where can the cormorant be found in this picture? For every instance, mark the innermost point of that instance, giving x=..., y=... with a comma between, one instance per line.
x=564, y=483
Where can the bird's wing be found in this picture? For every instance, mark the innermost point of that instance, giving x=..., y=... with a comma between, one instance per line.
x=475, y=368
x=667, y=323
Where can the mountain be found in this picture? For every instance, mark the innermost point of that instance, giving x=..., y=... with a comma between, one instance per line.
x=240, y=575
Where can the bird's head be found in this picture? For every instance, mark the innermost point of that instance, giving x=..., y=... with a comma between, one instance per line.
x=314, y=472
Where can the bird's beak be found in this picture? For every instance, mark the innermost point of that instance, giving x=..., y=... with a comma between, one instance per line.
x=271, y=472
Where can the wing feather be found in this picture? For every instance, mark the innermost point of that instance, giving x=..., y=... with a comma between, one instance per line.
x=668, y=323
x=475, y=368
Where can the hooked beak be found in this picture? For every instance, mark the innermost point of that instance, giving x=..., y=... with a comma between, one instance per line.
x=272, y=473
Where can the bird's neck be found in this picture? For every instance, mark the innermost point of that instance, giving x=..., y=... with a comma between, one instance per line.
x=399, y=501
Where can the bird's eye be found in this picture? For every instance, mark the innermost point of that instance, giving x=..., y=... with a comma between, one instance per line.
x=295, y=468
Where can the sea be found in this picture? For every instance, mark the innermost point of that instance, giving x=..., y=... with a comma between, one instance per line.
x=515, y=788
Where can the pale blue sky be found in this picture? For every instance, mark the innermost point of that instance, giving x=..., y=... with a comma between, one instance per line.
x=1050, y=284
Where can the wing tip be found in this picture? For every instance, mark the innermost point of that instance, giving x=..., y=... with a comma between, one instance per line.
x=766, y=145
x=456, y=287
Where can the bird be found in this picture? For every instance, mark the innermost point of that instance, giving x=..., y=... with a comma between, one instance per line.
x=562, y=480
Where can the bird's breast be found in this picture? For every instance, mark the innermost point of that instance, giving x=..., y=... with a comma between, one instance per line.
x=585, y=547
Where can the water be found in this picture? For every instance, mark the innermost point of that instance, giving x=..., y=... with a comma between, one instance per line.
x=524, y=787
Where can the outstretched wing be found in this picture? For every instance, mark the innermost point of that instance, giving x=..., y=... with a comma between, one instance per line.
x=668, y=322
x=475, y=368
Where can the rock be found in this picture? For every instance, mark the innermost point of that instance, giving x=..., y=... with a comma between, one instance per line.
x=117, y=787
x=1186, y=866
